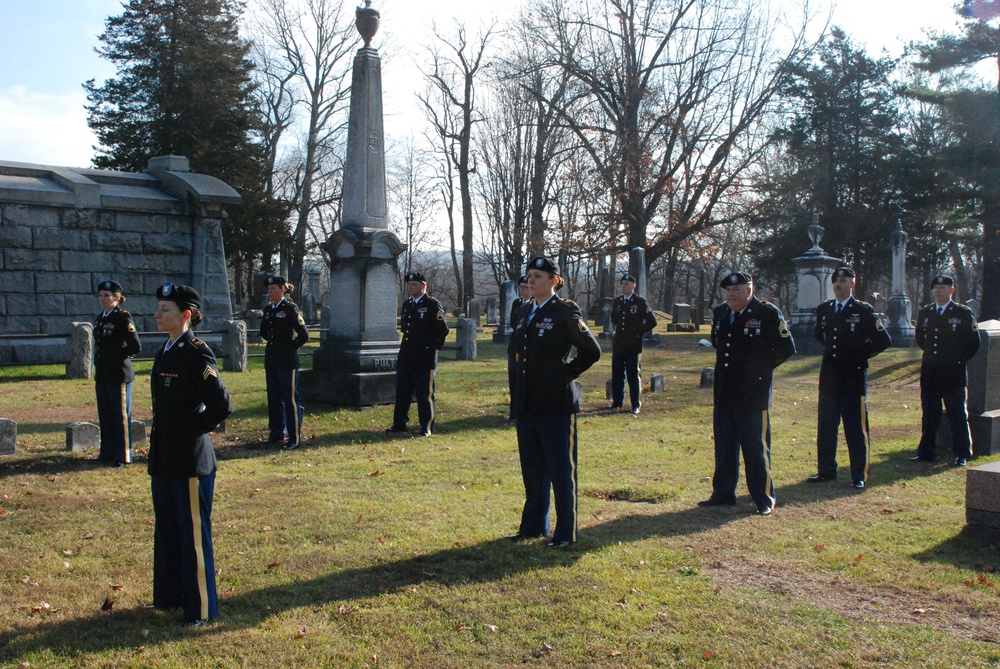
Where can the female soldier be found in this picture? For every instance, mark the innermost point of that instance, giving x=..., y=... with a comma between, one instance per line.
x=285, y=332
x=189, y=401
x=546, y=401
x=115, y=341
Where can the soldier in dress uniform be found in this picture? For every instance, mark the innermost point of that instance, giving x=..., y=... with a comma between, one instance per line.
x=949, y=336
x=632, y=319
x=850, y=333
x=750, y=339
x=189, y=402
x=546, y=402
x=424, y=330
x=285, y=331
x=519, y=301
x=115, y=342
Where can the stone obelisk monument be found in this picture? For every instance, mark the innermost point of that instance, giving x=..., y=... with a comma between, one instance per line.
x=899, y=310
x=355, y=366
x=815, y=269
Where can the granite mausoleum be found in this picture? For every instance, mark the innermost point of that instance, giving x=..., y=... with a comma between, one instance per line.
x=64, y=230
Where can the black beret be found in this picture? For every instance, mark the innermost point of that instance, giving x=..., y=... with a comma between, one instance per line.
x=275, y=280
x=543, y=264
x=415, y=276
x=523, y=279
x=185, y=296
x=736, y=279
x=112, y=286
x=942, y=280
x=628, y=277
x=842, y=272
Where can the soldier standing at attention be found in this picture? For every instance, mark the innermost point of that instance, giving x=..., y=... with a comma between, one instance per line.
x=519, y=301
x=116, y=341
x=189, y=402
x=750, y=339
x=424, y=331
x=632, y=319
x=284, y=329
x=850, y=333
x=546, y=401
x=949, y=336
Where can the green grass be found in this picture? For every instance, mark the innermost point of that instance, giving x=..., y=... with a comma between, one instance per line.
x=365, y=550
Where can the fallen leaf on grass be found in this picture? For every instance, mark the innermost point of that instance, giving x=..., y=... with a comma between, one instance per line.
x=859, y=558
x=274, y=565
x=493, y=628
x=67, y=552
x=88, y=535
x=24, y=665
x=108, y=604
x=375, y=473
x=301, y=632
x=115, y=586
x=708, y=655
x=148, y=522
x=344, y=609
x=820, y=547
x=462, y=627
x=614, y=653
x=546, y=648
x=922, y=612
x=139, y=651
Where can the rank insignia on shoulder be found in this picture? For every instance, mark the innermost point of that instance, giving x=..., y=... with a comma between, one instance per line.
x=440, y=316
x=878, y=325
x=131, y=327
x=783, y=330
x=581, y=325
x=209, y=372
x=196, y=342
x=302, y=321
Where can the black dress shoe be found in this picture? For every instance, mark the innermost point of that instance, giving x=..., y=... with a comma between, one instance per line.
x=961, y=462
x=615, y=407
x=425, y=433
x=714, y=501
x=921, y=458
x=290, y=446
x=560, y=544
x=858, y=485
x=817, y=478
x=395, y=429
x=763, y=510
x=635, y=411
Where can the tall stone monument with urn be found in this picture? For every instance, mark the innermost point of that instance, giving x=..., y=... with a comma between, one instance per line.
x=815, y=269
x=355, y=366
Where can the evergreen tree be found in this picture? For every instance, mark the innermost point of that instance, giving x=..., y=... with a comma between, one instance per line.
x=841, y=160
x=184, y=87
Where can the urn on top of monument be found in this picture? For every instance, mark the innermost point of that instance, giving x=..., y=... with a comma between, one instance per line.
x=366, y=20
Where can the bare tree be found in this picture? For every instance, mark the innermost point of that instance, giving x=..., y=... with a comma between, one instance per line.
x=411, y=191
x=673, y=95
x=452, y=75
x=315, y=39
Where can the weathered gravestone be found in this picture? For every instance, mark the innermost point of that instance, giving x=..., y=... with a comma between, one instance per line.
x=80, y=351
x=508, y=293
x=81, y=436
x=657, y=383
x=982, y=503
x=983, y=395
x=8, y=436
x=235, y=347
x=681, y=319
x=708, y=377
x=465, y=336
x=491, y=311
x=138, y=428
x=475, y=312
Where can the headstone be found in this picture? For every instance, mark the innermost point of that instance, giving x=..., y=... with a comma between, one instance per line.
x=475, y=312
x=508, y=293
x=982, y=504
x=80, y=351
x=8, y=436
x=657, y=384
x=491, y=311
x=139, y=432
x=898, y=317
x=254, y=317
x=974, y=305
x=607, y=325
x=680, y=313
x=325, y=317
x=708, y=377
x=355, y=366
x=81, y=436
x=815, y=286
x=465, y=336
x=235, y=346
x=984, y=391
x=583, y=314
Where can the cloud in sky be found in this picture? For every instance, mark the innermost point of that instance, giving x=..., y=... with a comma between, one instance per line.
x=45, y=128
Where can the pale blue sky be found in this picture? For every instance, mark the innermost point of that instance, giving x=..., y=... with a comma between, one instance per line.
x=47, y=52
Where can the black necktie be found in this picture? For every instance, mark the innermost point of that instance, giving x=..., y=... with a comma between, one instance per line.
x=839, y=307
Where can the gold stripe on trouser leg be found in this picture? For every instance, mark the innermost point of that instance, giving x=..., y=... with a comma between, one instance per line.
x=765, y=420
x=126, y=439
x=864, y=430
x=430, y=397
x=638, y=373
x=572, y=464
x=194, y=502
x=295, y=411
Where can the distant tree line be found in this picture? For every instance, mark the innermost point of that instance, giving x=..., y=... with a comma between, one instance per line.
x=709, y=132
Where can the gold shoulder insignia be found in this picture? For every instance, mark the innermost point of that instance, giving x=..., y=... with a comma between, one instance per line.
x=209, y=372
x=878, y=325
x=197, y=342
x=131, y=327
x=440, y=315
x=783, y=330
x=581, y=325
x=302, y=321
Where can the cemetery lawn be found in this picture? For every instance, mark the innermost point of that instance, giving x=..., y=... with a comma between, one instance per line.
x=362, y=549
